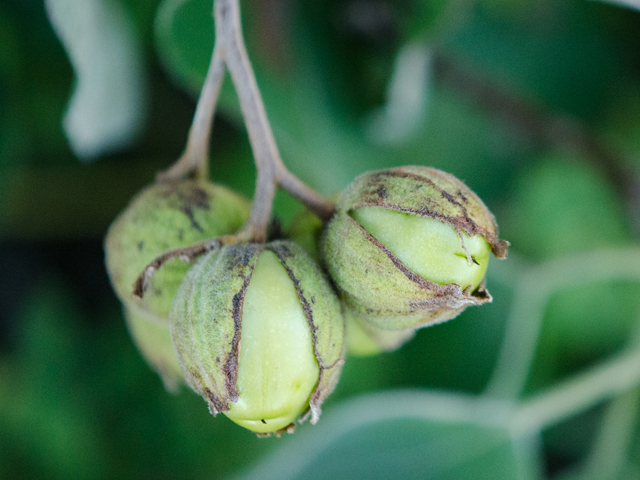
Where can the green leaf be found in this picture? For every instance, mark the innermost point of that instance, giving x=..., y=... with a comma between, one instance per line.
x=408, y=435
x=634, y=4
x=562, y=206
x=108, y=104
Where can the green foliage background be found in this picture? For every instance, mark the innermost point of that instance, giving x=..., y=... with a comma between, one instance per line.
x=503, y=88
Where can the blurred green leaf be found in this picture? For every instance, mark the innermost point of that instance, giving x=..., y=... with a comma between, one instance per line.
x=108, y=105
x=635, y=4
x=431, y=19
x=48, y=430
x=563, y=55
x=563, y=206
x=404, y=434
x=184, y=36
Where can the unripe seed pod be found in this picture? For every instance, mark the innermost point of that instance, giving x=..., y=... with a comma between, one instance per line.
x=259, y=334
x=161, y=217
x=306, y=229
x=151, y=335
x=408, y=247
x=365, y=339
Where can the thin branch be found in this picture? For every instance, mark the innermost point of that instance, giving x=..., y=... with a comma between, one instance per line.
x=230, y=50
x=310, y=198
x=229, y=29
x=195, y=159
x=532, y=292
x=263, y=144
x=584, y=391
x=545, y=128
x=611, y=447
x=270, y=167
x=610, y=450
x=187, y=254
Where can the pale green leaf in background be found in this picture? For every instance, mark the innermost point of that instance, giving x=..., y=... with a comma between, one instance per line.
x=407, y=435
x=108, y=105
x=408, y=96
x=625, y=3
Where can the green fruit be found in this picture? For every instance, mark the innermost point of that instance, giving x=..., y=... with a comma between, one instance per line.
x=428, y=247
x=409, y=247
x=161, y=217
x=365, y=339
x=306, y=229
x=259, y=334
x=151, y=335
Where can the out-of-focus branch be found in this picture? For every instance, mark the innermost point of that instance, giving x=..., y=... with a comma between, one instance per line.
x=545, y=128
x=195, y=159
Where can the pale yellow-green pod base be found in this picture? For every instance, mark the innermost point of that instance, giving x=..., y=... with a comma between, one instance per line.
x=430, y=248
x=359, y=343
x=153, y=339
x=277, y=369
x=364, y=339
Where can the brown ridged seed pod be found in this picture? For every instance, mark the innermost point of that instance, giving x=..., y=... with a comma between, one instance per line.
x=161, y=217
x=259, y=333
x=409, y=247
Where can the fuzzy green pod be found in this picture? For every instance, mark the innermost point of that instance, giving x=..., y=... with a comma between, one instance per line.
x=365, y=339
x=259, y=334
x=161, y=217
x=151, y=335
x=408, y=247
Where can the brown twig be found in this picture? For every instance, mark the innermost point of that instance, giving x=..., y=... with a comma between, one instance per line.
x=230, y=50
x=311, y=199
x=545, y=128
x=195, y=159
x=271, y=170
x=265, y=152
x=187, y=254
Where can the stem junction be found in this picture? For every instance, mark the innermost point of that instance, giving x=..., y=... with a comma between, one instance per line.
x=230, y=52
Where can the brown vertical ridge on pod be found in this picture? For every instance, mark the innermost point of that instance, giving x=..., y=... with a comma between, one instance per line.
x=318, y=395
x=326, y=378
x=282, y=252
x=215, y=404
x=231, y=366
x=195, y=379
x=449, y=291
x=377, y=195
